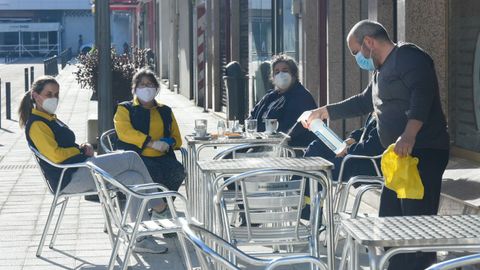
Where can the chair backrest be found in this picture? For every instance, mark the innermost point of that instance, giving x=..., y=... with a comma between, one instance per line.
x=205, y=243
x=41, y=158
x=107, y=140
x=108, y=189
x=256, y=150
x=272, y=197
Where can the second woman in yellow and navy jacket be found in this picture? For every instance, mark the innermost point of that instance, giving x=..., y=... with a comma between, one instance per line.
x=149, y=128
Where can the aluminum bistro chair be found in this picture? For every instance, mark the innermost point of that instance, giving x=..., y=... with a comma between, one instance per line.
x=205, y=243
x=127, y=232
x=455, y=263
x=273, y=210
x=59, y=198
x=342, y=188
x=241, y=151
x=109, y=138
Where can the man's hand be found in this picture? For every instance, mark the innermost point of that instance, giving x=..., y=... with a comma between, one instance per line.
x=87, y=149
x=404, y=145
x=406, y=141
x=320, y=113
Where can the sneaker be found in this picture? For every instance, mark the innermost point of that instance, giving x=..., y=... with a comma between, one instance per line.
x=165, y=214
x=149, y=245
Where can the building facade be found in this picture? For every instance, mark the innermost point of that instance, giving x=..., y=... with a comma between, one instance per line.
x=216, y=32
x=46, y=27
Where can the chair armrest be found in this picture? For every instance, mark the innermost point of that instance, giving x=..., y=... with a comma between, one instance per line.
x=148, y=186
x=350, y=156
x=456, y=262
x=295, y=260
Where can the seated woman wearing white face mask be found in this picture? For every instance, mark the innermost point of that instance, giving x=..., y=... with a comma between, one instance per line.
x=150, y=129
x=53, y=139
x=286, y=102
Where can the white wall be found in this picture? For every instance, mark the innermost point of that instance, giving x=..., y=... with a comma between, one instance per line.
x=184, y=49
x=121, y=30
x=75, y=24
x=44, y=4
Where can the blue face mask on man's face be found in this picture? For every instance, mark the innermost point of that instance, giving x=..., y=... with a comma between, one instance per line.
x=363, y=62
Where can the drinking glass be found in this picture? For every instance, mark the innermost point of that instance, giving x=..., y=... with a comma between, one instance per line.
x=221, y=128
x=200, y=127
x=233, y=125
x=251, y=126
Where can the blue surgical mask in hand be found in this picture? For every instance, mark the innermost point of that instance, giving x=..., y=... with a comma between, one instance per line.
x=169, y=141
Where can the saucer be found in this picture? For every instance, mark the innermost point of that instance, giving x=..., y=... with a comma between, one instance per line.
x=273, y=135
x=204, y=138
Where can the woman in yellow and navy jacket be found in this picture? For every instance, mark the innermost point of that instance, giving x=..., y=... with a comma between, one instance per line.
x=150, y=129
x=53, y=139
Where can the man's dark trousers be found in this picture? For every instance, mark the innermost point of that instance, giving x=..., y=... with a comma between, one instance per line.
x=431, y=166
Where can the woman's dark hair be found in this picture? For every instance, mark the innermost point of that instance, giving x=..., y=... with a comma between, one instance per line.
x=26, y=105
x=291, y=63
x=137, y=78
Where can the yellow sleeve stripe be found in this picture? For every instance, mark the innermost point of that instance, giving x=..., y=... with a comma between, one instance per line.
x=44, y=140
x=175, y=133
x=125, y=130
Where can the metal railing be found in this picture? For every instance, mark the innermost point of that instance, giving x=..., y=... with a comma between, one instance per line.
x=30, y=50
x=65, y=56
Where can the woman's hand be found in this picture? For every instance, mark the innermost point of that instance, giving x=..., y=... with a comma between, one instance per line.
x=343, y=153
x=160, y=146
x=350, y=141
x=87, y=149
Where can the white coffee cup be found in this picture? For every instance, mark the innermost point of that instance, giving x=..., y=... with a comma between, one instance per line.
x=271, y=126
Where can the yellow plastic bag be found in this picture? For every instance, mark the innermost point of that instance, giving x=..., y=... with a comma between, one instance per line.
x=401, y=175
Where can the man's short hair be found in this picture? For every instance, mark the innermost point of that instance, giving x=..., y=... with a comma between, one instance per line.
x=368, y=28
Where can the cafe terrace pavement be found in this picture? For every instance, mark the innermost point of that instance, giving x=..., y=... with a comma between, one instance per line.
x=25, y=199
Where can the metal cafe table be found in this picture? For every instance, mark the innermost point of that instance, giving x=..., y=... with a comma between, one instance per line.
x=195, y=147
x=210, y=169
x=409, y=234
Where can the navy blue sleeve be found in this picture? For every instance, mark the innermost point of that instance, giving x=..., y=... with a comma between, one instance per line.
x=371, y=146
x=302, y=102
x=356, y=134
x=357, y=105
x=254, y=114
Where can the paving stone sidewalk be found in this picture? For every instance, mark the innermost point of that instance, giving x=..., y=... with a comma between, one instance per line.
x=25, y=200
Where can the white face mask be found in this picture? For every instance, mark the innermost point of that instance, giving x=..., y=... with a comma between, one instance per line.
x=146, y=94
x=50, y=105
x=282, y=80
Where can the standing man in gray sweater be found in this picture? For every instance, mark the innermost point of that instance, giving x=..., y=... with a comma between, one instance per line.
x=404, y=95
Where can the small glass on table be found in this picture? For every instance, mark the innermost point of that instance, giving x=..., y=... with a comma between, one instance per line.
x=251, y=126
x=221, y=128
x=200, y=128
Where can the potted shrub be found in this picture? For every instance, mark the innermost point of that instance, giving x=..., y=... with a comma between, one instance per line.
x=124, y=67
